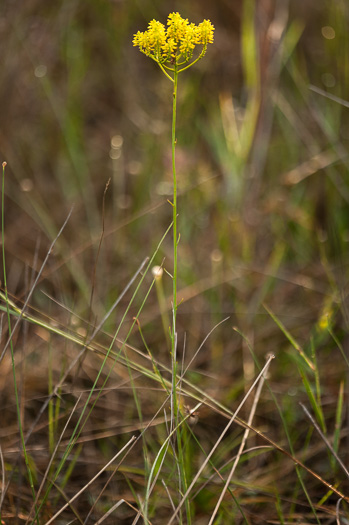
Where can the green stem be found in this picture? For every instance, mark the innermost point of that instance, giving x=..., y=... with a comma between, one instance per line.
x=164, y=71
x=174, y=204
x=175, y=409
x=174, y=403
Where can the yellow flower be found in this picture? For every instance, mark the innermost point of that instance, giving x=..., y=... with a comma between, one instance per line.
x=150, y=42
x=188, y=41
x=176, y=26
x=176, y=44
x=205, y=33
x=170, y=49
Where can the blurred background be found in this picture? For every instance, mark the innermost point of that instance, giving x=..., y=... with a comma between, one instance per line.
x=261, y=156
x=262, y=162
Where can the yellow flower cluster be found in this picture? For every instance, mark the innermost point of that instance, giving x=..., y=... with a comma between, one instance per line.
x=175, y=44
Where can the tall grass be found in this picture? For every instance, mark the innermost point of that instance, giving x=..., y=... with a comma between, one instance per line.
x=262, y=132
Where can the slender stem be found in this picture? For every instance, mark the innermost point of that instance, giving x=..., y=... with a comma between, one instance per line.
x=165, y=72
x=174, y=203
x=175, y=409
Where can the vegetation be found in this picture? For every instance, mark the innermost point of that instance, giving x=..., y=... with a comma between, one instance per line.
x=229, y=404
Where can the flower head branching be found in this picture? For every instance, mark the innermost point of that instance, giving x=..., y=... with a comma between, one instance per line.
x=173, y=48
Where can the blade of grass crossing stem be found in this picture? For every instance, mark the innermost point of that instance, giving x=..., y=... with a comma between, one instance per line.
x=18, y=410
x=75, y=338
